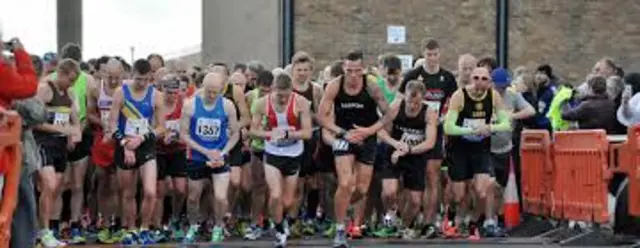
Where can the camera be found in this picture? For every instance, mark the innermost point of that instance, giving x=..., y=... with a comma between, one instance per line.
x=8, y=45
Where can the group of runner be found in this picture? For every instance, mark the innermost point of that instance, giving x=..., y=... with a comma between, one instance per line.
x=238, y=151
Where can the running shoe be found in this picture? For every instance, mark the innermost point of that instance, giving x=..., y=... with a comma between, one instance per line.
x=354, y=231
x=493, y=231
x=281, y=240
x=104, y=236
x=340, y=239
x=295, y=231
x=146, y=238
x=385, y=232
x=429, y=231
x=308, y=228
x=129, y=238
x=217, y=235
x=48, y=240
x=192, y=235
x=330, y=232
x=410, y=234
x=77, y=237
x=253, y=232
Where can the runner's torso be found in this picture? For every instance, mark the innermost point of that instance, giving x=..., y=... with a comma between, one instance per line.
x=475, y=112
x=208, y=127
x=410, y=130
x=104, y=104
x=439, y=88
x=136, y=115
x=359, y=109
x=172, y=124
x=283, y=121
x=58, y=113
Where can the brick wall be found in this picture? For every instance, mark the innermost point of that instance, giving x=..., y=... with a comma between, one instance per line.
x=568, y=34
x=330, y=28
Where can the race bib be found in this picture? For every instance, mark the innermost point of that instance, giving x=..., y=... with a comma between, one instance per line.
x=173, y=125
x=412, y=139
x=61, y=119
x=104, y=118
x=283, y=142
x=473, y=123
x=136, y=127
x=340, y=145
x=208, y=128
x=434, y=105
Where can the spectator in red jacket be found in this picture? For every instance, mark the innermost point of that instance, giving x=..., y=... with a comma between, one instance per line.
x=19, y=82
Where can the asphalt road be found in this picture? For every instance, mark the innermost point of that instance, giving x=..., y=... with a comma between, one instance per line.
x=378, y=243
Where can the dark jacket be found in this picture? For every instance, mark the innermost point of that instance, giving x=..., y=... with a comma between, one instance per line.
x=594, y=112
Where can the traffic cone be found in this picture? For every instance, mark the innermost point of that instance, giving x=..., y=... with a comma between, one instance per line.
x=511, y=201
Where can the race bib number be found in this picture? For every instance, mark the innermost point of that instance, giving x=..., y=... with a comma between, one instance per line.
x=473, y=123
x=208, y=128
x=283, y=142
x=412, y=139
x=104, y=118
x=136, y=127
x=173, y=125
x=434, y=105
x=61, y=119
x=340, y=145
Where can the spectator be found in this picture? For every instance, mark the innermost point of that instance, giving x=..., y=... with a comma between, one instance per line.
x=19, y=82
x=545, y=92
x=596, y=111
x=629, y=111
x=615, y=88
x=606, y=68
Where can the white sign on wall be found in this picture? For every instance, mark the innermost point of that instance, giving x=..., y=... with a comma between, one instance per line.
x=407, y=61
x=396, y=34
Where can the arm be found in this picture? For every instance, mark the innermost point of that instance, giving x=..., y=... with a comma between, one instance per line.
x=159, y=114
x=503, y=121
x=305, y=120
x=257, y=130
x=19, y=83
x=524, y=109
x=74, y=118
x=317, y=97
x=431, y=118
x=326, y=107
x=114, y=114
x=239, y=99
x=377, y=95
x=384, y=132
x=93, y=115
x=455, y=106
x=187, y=113
x=234, y=126
x=574, y=114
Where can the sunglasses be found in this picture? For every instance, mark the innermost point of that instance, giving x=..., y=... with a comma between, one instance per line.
x=480, y=78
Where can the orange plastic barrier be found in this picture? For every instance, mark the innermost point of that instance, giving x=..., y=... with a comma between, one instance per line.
x=536, y=172
x=11, y=162
x=630, y=163
x=580, y=160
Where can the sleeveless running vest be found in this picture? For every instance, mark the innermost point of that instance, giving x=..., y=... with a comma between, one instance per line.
x=79, y=89
x=283, y=121
x=104, y=106
x=58, y=113
x=172, y=124
x=389, y=95
x=474, y=113
x=360, y=109
x=208, y=128
x=136, y=115
x=410, y=130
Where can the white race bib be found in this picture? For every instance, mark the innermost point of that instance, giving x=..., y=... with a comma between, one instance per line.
x=283, y=142
x=473, y=123
x=104, y=118
x=61, y=119
x=208, y=128
x=340, y=145
x=173, y=125
x=434, y=105
x=136, y=127
x=412, y=139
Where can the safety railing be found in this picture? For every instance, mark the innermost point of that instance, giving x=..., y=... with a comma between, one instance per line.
x=537, y=172
x=10, y=165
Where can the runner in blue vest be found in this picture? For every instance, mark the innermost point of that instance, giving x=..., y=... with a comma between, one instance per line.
x=137, y=118
x=210, y=129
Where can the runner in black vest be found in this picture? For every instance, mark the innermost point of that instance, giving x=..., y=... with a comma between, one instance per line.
x=56, y=138
x=468, y=122
x=355, y=101
x=410, y=136
x=440, y=85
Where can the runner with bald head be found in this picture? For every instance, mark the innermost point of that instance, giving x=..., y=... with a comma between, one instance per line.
x=209, y=127
x=469, y=125
x=466, y=64
x=136, y=119
x=99, y=102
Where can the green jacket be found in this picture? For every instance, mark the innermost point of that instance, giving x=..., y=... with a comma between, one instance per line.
x=563, y=95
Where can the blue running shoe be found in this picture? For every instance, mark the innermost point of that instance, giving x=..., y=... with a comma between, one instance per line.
x=146, y=238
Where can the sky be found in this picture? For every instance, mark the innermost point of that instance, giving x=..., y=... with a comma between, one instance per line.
x=110, y=27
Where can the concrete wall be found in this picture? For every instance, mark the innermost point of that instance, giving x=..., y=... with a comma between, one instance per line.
x=241, y=30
